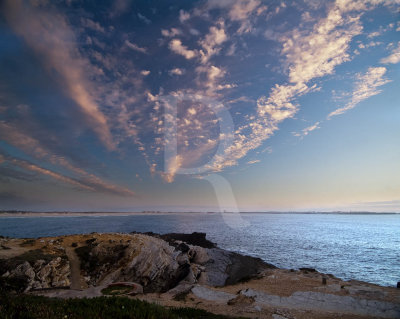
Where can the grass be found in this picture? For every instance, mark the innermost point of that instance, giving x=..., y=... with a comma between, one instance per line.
x=37, y=307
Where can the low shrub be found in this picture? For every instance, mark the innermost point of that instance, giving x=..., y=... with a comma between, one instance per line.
x=37, y=307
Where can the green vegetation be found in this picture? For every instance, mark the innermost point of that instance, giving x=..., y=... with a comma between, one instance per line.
x=109, y=256
x=36, y=307
x=14, y=284
x=31, y=256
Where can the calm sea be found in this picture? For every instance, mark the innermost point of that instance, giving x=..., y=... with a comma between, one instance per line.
x=363, y=247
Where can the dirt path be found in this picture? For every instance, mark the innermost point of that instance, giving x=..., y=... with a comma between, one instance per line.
x=77, y=282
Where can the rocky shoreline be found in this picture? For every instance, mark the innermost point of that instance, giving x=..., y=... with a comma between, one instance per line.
x=184, y=270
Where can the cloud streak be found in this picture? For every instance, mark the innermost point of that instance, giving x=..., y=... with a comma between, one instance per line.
x=135, y=47
x=367, y=85
x=32, y=146
x=37, y=169
x=307, y=130
x=50, y=36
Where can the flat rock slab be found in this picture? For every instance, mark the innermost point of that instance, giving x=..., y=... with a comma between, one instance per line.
x=308, y=300
x=212, y=295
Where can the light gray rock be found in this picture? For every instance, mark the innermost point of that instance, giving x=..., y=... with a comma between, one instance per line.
x=199, y=255
x=182, y=288
x=308, y=300
x=222, y=267
x=147, y=260
x=160, y=265
x=212, y=295
x=257, y=308
x=24, y=269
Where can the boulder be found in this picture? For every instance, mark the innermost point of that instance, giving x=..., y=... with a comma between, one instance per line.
x=223, y=267
x=194, y=239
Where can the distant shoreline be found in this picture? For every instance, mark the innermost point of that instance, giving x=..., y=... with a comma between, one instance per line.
x=152, y=213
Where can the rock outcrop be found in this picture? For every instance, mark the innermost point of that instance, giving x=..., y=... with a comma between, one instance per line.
x=47, y=271
x=156, y=262
x=184, y=270
x=159, y=264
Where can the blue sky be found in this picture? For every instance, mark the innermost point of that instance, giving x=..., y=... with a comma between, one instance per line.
x=131, y=105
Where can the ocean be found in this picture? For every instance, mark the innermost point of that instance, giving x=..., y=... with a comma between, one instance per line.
x=350, y=246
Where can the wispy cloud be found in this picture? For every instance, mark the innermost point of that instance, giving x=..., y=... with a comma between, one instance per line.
x=367, y=85
x=307, y=130
x=90, y=24
x=183, y=16
x=119, y=7
x=241, y=11
x=212, y=41
x=253, y=162
x=50, y=36
x=144, y=18
x=394, y=58
x=135, y=47
x=35, y=168
x=176, y=46
x=171, y=33
x=176, y=71
x=33, y=147
x=309, y=54
x=315, y=54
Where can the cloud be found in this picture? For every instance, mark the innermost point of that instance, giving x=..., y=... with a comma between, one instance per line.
x=119, y=7
x=145, y=72
x=90, y=24
x=37, y=169
x=176, y=71
x=394, y=58
x=253, y=162
x=183, y=16
x=194, y=32
x=176, y=46
x=315, y=54
x=143, y=18
x=171, y=33
x=309, y=54
x=173, y=165
x=212, y=41
x=135, y=47
x=50, y=36
x=307, y=130
x=32, y=146
x=366, y=86
x=240, y=11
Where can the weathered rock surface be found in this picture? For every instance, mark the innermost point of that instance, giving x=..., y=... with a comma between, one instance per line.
x=39, y=274
x=159, y=265
x=157, y=262
x=310, y=300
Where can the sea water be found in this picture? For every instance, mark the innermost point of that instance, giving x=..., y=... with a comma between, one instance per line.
x=350, y=246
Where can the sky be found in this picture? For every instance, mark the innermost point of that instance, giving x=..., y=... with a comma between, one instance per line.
x=200, y=105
